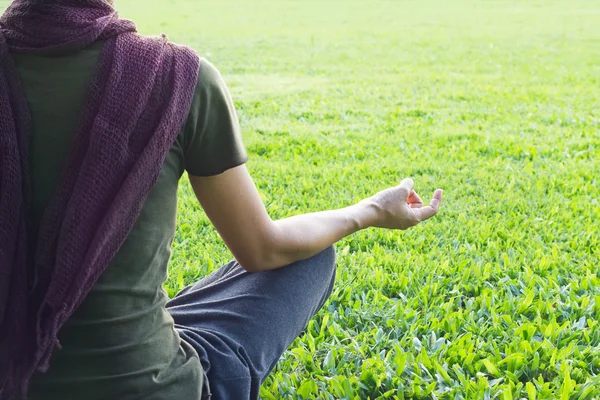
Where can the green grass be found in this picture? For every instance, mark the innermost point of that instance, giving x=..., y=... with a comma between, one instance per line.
x=498, y=103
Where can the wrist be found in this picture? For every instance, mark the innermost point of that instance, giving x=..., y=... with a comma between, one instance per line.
x=367, y=214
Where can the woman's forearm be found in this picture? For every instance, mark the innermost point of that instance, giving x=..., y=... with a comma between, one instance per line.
x=302, y=236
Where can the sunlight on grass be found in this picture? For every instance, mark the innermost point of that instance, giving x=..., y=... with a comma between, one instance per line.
x=496, y=102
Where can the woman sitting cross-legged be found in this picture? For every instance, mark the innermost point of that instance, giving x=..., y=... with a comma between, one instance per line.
x=97, y=126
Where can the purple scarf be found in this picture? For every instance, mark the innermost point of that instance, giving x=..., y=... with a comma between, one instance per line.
x=137, y=104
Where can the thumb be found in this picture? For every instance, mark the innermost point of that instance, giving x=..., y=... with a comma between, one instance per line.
x=407, y=186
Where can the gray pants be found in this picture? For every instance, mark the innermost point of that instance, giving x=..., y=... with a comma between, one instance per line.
x=240, y=323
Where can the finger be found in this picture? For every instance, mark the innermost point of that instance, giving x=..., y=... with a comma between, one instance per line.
x=406, y=186
x=438, y=195
x=433, y=207
x=414, y=200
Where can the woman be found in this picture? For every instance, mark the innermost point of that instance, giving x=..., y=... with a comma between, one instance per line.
x=97, y=126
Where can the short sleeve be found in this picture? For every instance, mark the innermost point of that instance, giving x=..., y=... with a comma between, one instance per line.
x=212, y=137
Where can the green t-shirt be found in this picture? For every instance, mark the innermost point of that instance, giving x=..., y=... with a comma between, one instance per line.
x=120, y=343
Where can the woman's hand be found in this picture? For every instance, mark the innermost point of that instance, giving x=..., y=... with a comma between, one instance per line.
x=401, y=207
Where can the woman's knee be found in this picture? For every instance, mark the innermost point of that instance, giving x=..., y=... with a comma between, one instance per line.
x=317, y=269
x=324, y=267
x=329, y=254
x=326, y=259
x=315, y=272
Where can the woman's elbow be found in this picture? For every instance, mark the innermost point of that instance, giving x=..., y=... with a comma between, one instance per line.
x=264, y=254
x=257, y=262
x=248, y=262
x=250, y=266
x=262, y=261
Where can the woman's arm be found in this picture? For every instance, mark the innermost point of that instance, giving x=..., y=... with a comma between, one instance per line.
x=232, y=203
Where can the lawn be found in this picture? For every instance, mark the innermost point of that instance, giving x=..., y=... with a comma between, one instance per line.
x=497, y=102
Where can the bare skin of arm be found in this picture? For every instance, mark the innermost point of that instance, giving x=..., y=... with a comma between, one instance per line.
x=233, y=204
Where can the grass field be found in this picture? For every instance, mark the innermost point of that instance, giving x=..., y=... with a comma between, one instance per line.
x=497, y=102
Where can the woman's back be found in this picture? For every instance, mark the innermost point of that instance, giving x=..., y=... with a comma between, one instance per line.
x=121, y=341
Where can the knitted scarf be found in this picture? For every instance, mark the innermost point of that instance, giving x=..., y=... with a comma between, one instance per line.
x=137, y=103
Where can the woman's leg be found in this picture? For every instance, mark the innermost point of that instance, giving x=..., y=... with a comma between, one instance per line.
x=240, y=323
